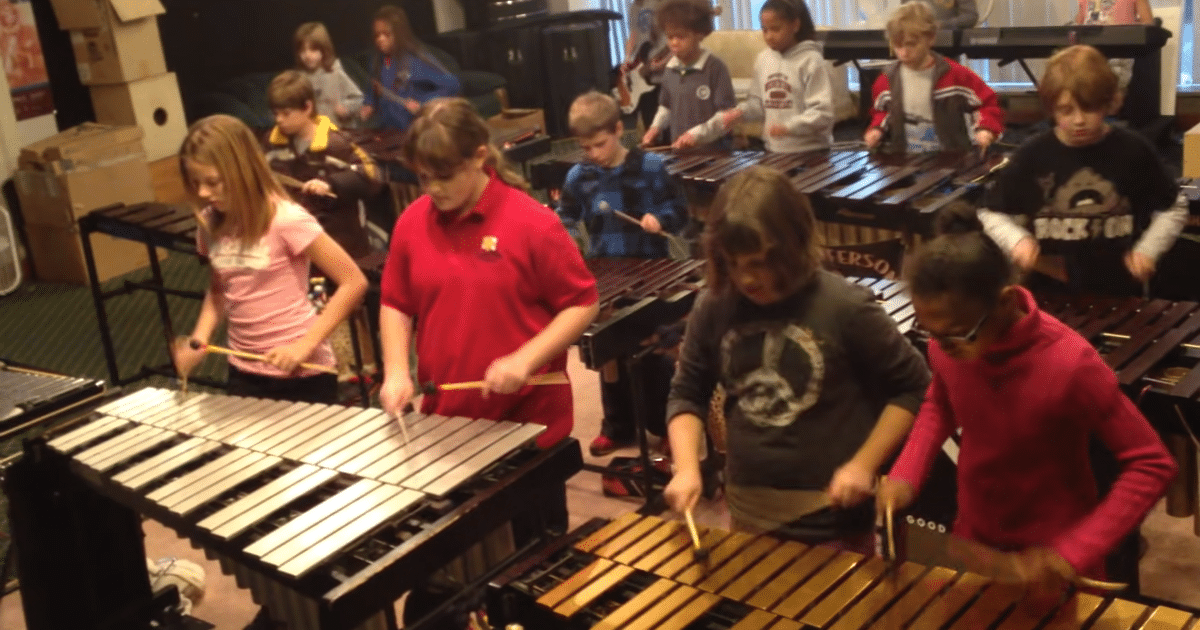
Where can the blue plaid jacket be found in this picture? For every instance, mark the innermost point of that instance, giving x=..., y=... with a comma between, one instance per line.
x=637, y=186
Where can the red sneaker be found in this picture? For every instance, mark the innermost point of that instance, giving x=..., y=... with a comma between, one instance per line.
x=603, y=445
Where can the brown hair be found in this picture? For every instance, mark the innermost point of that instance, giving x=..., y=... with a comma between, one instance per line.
x=591, y=113
x=911, y=18
x=961, y=260
x=791, y=10
x=291, y=90
x=760, y=210
x=314, y=35
x=693, y=15
x=227, y=144
x=446, y=133
x=1084, y=73
x=403, y=38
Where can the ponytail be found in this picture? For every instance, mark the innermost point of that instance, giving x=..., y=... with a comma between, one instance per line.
x=504, y=170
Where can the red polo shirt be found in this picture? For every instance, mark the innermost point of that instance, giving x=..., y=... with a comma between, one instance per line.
x=479, y=286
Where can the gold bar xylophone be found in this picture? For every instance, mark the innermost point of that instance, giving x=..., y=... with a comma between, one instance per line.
x=326, y=513
x=636, y=297
x=637, y=573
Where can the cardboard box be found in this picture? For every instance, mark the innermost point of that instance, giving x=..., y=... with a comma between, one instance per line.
x=1191, y=152
x=153, y=104
x=57, y=254
x=67, y=175
x=83, y=14
x=118, y=54
x=115, y=41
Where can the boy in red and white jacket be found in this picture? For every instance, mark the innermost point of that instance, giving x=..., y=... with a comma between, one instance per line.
x=960, y=111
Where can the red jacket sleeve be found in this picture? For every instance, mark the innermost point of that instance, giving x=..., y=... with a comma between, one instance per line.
x=1146, y=466
x=878, y=117
x=934, y=424
x=991, y=115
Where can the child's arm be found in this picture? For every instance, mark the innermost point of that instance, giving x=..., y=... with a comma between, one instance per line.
x=362, y=180
x=337, y=265
x=933, y=426
x=1146, y=466
x=691, y=389
x=1144, y=14
x=723, y=100
x=817, y=117
x=881, y=96
x=395, y=331
x=887, y=363
x=666, y=201
x=432, y=79
x=211, y=313
x=991, y=115
x=662, y=117
x=570, y=202
x=1159, y=236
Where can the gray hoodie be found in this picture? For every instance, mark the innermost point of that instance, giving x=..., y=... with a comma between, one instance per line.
x=333, y=87
x=793, y=89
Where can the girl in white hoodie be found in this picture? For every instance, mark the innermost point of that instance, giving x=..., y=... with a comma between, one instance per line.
x=792, y=92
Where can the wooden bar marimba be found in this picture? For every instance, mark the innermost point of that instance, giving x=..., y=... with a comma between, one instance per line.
x=326, y=513
x=638, y=573
x=637, y=296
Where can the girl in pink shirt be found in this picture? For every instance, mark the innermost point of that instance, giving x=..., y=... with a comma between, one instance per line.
x=1027, y=393
x=260, y=244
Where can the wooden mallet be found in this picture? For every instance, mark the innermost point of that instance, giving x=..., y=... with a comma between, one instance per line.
x=197, y=345
x=550, y=378
x=699, y=553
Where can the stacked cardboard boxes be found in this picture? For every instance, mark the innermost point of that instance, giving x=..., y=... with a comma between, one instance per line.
x=119, y=55
x=67, y=175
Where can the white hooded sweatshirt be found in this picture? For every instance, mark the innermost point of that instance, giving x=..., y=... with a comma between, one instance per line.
x=793, y=89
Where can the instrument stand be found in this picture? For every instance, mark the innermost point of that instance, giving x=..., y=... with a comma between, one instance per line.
x=652, y=493
x=155, y=225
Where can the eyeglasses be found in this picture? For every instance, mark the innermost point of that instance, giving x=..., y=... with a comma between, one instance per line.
x=970, y=337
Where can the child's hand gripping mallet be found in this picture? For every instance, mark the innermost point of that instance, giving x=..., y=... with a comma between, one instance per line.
x=197, y=345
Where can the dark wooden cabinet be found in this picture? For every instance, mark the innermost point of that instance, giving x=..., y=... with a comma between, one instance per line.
x=516, y=55
x=577, y=60
x=547, y=61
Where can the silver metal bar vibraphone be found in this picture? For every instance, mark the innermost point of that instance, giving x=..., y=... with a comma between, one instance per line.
x=326, y=513
x=29, y=397
x=639, y=573
x=636, y=297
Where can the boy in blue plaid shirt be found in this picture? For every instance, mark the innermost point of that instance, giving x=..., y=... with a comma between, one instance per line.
x=614, y=179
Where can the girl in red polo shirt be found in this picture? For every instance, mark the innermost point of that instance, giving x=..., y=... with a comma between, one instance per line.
x=1026, y=392
x=494, y=285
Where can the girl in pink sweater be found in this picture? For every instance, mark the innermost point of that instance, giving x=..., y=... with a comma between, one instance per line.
x=1026, y=392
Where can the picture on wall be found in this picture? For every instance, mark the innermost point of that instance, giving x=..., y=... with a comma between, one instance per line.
x=24, y=65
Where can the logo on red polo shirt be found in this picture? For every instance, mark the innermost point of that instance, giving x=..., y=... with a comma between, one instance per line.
x=489, y=243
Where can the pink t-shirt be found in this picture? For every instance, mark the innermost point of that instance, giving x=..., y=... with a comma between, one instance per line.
x=264, y=288
x=1109, y=11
